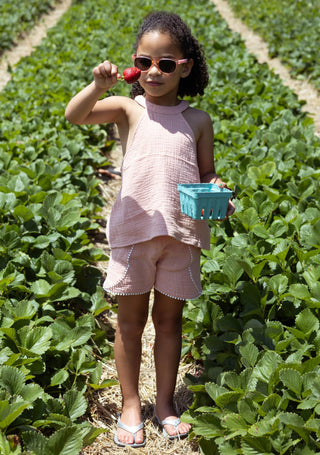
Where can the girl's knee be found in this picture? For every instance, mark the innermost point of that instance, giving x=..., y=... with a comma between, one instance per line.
x=167, y=325
x=131, y=327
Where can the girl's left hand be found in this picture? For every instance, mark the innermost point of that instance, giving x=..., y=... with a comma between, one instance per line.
x=231, y=207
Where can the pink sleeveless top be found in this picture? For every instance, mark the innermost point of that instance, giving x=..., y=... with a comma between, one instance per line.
x=161, y=155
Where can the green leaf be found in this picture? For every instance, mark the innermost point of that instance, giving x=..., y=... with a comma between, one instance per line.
x=263, y=427
x=36, y=339
x=36, y=442
x=67, y=441
x=23, y=212
x=271, y=402
x=76, y=404
x=249, y=353
x=307, y=322
x=41, y=242
x=278, y=284
x=104, y=384
x=232, y=380
x=313, y=425
x=59, y=378
x=9, y=412
x=295, y=422
x=75, y=337
x=247, y=410
x=292, y=379
x=40, y=288
x=300, y=291
x=207, y=426
x=90, y=434
x=25, y=310
x=214, y=390
x=208, y=447
x=5, y=448
x=266, y=366
x=12, y=379
x=233, y=270
x=256, y=445
x=31, y=392
x=228, y=398
x=234, y=422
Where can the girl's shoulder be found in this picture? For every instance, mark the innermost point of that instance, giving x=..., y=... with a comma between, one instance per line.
x=122, y=102
x=198, y=114
x=199, y=120
x=117, y=109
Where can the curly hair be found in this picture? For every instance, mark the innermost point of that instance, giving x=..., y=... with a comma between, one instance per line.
x=166, y=22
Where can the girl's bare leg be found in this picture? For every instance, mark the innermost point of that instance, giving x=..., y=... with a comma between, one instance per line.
x=167, y=319
x=132, y=317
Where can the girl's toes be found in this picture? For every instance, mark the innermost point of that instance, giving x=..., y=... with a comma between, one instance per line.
x=139, y=437
x=184, y=428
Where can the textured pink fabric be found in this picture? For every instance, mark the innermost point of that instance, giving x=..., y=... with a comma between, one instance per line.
x=170, y=266
x=161, y=155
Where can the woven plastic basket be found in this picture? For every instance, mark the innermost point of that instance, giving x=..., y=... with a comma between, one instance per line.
x=204, y=201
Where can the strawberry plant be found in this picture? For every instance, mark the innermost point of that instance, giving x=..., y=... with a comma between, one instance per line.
x=290, y=29
x=255, y=329
x=17, y=17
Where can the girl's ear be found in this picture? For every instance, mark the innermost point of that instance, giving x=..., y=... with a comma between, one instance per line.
x=187, y=67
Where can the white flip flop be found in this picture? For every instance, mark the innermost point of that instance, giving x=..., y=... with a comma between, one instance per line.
x=130, y=429
x=174, y=423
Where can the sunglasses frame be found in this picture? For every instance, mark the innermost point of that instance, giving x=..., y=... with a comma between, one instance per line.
x=156, y=62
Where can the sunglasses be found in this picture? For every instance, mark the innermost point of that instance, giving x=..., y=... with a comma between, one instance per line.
x=165, y=65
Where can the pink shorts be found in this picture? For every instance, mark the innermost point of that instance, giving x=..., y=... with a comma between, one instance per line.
x=170, y=266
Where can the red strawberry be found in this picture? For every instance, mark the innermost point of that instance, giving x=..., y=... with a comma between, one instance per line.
x=131, y=75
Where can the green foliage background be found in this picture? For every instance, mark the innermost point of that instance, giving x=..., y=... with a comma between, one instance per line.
x=255, y=329
x=291, y=29
x=18, y=16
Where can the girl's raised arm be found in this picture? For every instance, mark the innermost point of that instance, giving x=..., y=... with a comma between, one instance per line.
x=85, y=107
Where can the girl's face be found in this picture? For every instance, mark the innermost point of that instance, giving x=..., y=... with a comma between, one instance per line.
x=160, y=87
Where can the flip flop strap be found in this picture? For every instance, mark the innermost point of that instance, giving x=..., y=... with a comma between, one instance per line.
x=173, y=422
x=133, y=430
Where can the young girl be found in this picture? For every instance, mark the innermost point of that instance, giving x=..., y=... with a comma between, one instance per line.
x=165, y=142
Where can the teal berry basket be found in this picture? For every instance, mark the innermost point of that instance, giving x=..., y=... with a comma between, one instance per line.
x=204, y=201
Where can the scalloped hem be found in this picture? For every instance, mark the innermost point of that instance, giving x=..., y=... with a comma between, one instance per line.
x=109, y=291
x=115, y=293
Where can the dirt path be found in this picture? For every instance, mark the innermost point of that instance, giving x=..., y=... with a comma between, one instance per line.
x=31, y=39
x=259, y=48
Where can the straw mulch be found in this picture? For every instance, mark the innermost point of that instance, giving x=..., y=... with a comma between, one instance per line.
x=106, y=404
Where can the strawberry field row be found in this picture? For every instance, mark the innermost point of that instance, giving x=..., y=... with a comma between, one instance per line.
x=18, y=16
x=291, y=29
x=256, y=325
x=255, y=330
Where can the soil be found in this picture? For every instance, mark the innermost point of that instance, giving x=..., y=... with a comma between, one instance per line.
x=106, y=404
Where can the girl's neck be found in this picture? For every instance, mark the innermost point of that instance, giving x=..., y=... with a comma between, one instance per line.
x=163, y=100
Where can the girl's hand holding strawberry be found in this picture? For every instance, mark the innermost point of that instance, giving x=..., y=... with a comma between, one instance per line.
x=105, y=75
